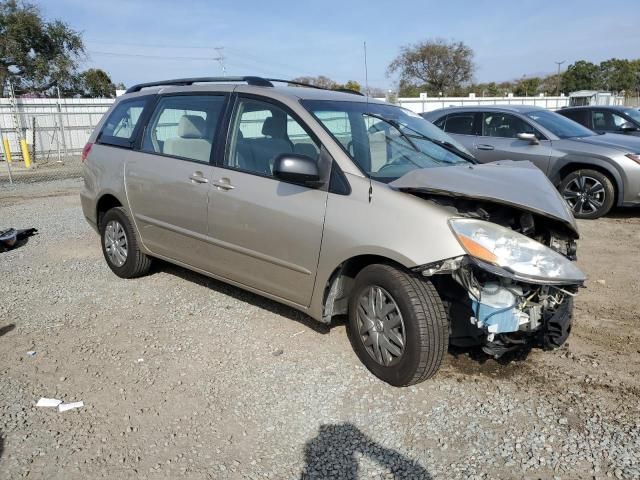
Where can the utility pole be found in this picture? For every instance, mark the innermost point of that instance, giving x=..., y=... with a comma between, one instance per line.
x=220, y=58
x=558, y=82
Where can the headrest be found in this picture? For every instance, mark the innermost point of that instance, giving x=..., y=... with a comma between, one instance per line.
x=191, y=126
x=274, y=128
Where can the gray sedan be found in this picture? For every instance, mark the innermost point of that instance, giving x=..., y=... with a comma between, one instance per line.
x=593, y=172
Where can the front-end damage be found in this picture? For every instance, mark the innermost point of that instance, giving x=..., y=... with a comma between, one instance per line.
x=498, y=308
x=515, y=285
x=499, y=313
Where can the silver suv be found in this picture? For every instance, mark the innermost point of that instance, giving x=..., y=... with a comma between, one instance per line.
x=593, y=172
x=335, y=204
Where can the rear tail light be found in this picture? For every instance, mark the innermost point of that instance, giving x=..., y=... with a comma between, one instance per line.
x=86, y=150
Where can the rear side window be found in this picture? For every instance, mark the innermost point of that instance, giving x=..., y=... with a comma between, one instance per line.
x=461, y=123
x=184, y=126
x=440, y=122
x=580, y=116
x=120, y=127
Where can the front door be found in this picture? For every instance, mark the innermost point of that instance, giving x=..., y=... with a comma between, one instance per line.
x=267, y=232
x=498, y=140
x=168, y=180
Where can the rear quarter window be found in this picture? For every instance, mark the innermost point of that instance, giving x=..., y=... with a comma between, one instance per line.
x=121, y=126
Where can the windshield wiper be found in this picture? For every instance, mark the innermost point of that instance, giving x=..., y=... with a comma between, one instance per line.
x=450, y=147
x=395, y=125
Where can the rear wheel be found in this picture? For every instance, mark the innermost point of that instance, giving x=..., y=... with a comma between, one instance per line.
x=397, y=325
x=589, y=193
x=120, y=245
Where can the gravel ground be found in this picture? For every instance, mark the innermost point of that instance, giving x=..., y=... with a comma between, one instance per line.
x=183, y=375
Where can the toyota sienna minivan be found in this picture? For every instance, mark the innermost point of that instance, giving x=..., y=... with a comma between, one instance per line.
x=337, y=205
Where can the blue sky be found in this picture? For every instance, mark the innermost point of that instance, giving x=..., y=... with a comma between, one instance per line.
x=323, y=37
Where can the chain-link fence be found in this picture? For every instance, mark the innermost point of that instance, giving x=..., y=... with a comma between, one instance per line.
x=42, y=139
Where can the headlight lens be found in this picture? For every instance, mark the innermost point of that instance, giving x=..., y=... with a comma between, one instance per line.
x=504, y=248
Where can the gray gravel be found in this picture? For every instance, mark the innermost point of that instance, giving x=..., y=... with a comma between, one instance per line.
x=183, y=375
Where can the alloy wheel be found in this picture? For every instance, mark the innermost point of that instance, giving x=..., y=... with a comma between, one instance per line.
x=584, y=194
x=115, y=243
x=380, y=326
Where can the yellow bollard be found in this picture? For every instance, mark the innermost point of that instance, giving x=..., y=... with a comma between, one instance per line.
x=25, y=153
x=7, y=149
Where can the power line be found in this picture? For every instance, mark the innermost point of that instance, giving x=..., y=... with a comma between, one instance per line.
x=158, y=57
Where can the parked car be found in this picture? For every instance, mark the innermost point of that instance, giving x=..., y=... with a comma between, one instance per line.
x=593, y=172
x=621, y=120
x=335, y=204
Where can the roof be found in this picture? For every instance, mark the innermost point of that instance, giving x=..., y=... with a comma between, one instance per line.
x=254, y=84
x=620, y=108
x=491, y=108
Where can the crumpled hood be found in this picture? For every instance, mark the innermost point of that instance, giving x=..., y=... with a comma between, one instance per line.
x=519, y=184
x=627, y=143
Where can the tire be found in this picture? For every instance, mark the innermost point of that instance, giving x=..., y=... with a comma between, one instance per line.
x=589, y=193
x=133, y=263
x=423, y=325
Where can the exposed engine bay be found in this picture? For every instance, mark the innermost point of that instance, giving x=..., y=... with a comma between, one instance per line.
x=492, y=308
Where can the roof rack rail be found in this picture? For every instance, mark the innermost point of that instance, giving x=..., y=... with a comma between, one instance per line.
x=302, y=84
x=257, y=81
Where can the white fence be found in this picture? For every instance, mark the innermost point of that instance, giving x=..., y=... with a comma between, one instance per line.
x=53, y=124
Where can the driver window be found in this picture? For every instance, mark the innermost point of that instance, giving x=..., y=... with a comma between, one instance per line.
x=262, y=131
x=184, y=126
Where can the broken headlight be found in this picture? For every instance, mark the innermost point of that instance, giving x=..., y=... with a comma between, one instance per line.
x=514, y=253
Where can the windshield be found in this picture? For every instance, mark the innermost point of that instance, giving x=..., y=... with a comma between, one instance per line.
x=386, y=141
x=560, y=126
x=634, y=114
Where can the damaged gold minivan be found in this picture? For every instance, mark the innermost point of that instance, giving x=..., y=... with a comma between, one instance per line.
x=335, y=204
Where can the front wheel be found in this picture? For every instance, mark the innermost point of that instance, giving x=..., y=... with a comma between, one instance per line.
x=589, y=193
x=397, y=325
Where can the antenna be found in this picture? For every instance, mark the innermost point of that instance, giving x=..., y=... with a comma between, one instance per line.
x=366, y=88
x=366, y=72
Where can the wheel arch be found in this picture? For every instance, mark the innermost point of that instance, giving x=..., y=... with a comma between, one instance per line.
x=106, y=202
x=606, y=169
x=337, y=288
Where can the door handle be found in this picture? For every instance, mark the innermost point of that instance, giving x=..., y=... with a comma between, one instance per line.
x=223, y=184
x=196, y=177
x=484, y=146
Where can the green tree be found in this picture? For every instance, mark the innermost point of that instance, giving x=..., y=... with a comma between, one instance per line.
x=440, y=65
x=527, y=87
x=319, y=81
x=96, y=83
x=352, y=85
x=581, y=75
x=35, y=54
x=618, y=75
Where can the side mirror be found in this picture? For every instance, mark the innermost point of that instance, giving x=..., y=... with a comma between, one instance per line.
x=629, y=127
x=529, y=137
x=294, y=168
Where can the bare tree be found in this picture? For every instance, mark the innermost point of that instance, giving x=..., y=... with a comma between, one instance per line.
x=437, y=65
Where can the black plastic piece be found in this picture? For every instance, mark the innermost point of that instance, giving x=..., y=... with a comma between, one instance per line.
x=257, y=81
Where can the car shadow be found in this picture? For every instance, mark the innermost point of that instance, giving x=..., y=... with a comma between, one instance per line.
x=241, y=295
x=628, y=212
x=335, y=451
x=6, y=329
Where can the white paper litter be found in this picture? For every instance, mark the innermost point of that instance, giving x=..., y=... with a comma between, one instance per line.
x=63, y=407
x=48, y=402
